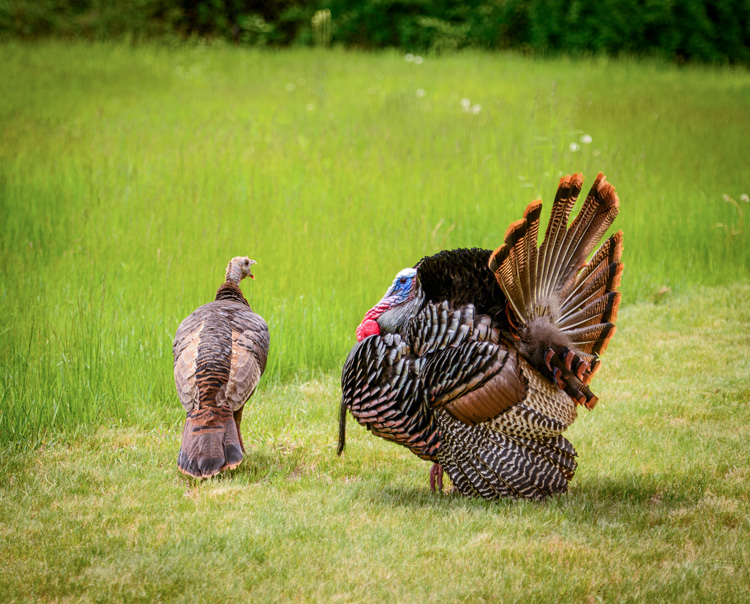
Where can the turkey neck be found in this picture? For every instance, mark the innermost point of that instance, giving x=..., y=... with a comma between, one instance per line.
x=397, y=318
x=232, y=292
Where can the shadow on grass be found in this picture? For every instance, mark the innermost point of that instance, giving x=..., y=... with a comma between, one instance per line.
x=416, y=497
x=585, y=500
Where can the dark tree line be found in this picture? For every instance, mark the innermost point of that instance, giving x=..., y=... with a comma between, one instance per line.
x=705, y=30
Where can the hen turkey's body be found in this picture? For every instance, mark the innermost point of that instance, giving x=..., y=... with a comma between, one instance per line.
x=465, y=379
x=220, y=353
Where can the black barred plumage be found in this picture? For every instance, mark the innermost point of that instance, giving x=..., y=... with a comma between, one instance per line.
x=379, y=382
x=220, y=352
x=484, y=372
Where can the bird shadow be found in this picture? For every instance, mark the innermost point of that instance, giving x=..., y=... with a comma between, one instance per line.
x=586, y=501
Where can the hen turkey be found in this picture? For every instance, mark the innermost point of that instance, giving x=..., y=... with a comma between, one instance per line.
x=220, y=352
x=476, y=360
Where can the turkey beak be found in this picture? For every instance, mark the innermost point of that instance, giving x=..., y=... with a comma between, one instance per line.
x=250, y=274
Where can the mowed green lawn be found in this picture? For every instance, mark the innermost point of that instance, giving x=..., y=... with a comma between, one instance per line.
x=130, y=175
x=658, y=511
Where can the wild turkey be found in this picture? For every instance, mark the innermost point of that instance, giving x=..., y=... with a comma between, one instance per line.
x=476, y=360
x=220, y=352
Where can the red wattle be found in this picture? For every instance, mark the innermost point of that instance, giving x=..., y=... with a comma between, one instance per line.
x=368, y=327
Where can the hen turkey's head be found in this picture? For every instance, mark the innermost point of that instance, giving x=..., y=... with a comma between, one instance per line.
x=397, y=306
x=239, y=268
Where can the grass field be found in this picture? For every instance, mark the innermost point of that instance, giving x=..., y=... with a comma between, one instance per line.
x=129, y=175
x=658, y=511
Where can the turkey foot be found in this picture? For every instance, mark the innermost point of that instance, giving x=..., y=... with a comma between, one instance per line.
x=436, y=477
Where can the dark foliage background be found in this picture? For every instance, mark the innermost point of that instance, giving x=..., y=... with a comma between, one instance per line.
x=705, y=30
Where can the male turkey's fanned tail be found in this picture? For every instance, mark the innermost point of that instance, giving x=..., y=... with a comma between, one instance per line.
x=552, y=289
x=210, y=442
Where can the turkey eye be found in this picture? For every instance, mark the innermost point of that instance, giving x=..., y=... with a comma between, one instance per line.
x=402, y=280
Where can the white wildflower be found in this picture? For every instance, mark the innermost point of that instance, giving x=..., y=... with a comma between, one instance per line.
x=289, y=87
x=575, y=147
x=465, y=104
x=418, y=60
x=408, y=57
x=586, y=139
x=475, y=109
x=420, y=92
x=309, y=106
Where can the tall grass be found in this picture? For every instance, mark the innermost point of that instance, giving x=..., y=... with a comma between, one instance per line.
x=130, y=175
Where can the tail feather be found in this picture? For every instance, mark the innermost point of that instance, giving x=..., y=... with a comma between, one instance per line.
x=603, y=308
x=580, y=300
x=608, y=253
x=596, y=216
x=605, y=279
x=508, y=273
x=532, y=214
x=210, y=442
x=594, y=338
x=557, y=229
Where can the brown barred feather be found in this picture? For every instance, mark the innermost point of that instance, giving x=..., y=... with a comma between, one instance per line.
x=609, y=252
x=508, y=272
x=551, y=276
x=531, y=214
x=604, y=279
x=601, y=309
x=592, y=339
x=210, y=442
x=596, y=216
x=515, y=239
x=603, y=342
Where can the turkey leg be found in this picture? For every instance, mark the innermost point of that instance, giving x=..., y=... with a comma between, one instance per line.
x=436, y=477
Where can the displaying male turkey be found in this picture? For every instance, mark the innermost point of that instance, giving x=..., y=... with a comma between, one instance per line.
x=476, y=360
x=220, y=352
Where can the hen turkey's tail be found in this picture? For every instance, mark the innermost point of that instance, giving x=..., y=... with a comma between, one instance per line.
x=210, y=442
x=561, y=300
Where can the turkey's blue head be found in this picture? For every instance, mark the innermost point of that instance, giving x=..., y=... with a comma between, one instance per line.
x=396, y=307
